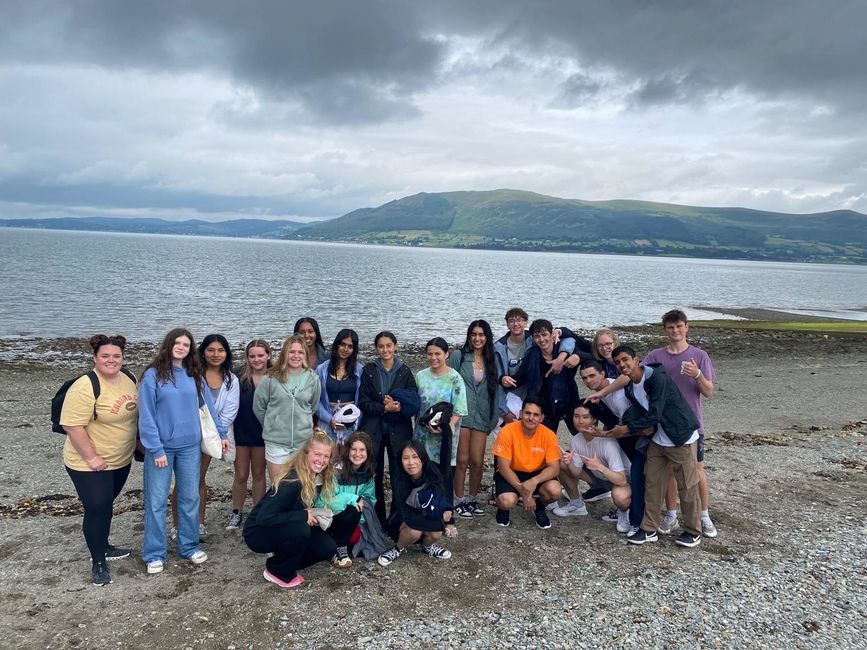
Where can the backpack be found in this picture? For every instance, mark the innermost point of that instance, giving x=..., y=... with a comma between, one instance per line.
x=60, y=396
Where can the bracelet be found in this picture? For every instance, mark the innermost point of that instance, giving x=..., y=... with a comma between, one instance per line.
x=698, y=374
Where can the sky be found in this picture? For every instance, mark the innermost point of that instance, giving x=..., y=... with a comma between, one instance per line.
x=220, y=109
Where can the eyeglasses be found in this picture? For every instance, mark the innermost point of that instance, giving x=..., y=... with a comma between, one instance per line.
x=515, y=321
x=606, y=345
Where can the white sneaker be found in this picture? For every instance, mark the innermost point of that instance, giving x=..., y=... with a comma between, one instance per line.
x=623, y=521
x=707, y=528
x=198, y=557
x=155, y=566
x=669, y=523
x=571, y=509
x=552, y=505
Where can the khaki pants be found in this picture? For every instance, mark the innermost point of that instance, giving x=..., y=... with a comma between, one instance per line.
x=660, y=462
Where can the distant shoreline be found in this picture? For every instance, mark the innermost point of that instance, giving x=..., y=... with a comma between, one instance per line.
x=528, y=248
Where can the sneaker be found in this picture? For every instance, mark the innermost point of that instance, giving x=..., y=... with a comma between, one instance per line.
x=297, y=581
x=113, y=552
x=595, y=494
x=234, y=520
x=390, y=555
x=173, y=534
x=611, y=517
x=155, y=566
x=542, y=520
x=708, y=529
x=552, y=505
x=341, y=559
x=669, y=523
x=198, y=557
x=688, y=539
x=571, y=509
x=641, y=536
x=502, y=517
x=623, y=526
x=435, y=550
x=476, y=509
x=100, y=574
x=463, y=509
x=203, y=531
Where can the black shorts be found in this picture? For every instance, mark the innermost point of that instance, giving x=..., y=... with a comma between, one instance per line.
x=501, y=486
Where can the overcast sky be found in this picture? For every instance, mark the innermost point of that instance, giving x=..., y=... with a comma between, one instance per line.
x=219, y=108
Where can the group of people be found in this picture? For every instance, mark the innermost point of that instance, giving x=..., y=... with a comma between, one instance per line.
x=324, y=426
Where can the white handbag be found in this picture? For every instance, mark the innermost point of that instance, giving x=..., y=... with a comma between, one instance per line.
x=211, y=443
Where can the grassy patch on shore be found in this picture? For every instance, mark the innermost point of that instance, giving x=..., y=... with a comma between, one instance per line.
x=836, y=327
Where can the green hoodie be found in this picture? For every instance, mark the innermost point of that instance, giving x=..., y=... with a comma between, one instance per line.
x=286, y=409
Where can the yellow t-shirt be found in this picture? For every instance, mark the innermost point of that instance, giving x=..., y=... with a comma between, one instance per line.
x=526, y=454
x=113, y=432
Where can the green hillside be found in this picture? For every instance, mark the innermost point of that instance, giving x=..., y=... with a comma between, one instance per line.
x=517, y=220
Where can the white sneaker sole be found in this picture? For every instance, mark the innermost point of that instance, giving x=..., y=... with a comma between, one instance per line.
x=156, y=568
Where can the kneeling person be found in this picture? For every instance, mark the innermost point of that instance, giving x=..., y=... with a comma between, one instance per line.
x=528, y=463
x=600, y=456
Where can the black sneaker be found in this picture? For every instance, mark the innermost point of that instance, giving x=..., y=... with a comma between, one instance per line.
x=611, y=517
x=542, y=520
x=502, y=517
x=640, y=537
x=113, y=552
x=234, y=520
x=688, y=539
x=100, y=574
x=464, y=510
x=595, y=494
x=476, y=509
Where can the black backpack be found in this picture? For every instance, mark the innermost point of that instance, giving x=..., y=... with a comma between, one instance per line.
x=60, y=396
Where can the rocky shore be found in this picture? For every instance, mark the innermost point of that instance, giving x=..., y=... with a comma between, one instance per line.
x=787, y=463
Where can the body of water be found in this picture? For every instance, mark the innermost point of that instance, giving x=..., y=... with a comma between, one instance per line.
x=58, y=283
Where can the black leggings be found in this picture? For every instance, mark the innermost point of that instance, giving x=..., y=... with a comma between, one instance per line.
x=97, y=491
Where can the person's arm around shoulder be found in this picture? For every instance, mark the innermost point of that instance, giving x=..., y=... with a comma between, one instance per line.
x=262, y=398
x=619, y=383
x=78, y=406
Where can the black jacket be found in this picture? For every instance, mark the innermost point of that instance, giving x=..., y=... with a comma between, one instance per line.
x=666, y=407
x=370, y=397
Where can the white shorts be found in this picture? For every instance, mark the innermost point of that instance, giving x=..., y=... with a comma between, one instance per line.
x=277, y=454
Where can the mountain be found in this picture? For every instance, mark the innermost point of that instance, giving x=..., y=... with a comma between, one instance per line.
x=518, y=220
x=235, y=228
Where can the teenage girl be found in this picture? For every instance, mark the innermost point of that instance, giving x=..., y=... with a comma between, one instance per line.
x=355, y=473
x=340, y=378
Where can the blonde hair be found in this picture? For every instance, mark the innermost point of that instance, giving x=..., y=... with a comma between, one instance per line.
x=595, y=345
x=280, y=371
x=296, y=469
x=246, y=375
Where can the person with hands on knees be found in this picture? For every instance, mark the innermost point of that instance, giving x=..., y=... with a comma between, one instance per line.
x=528, y=464
x=171, y=389
x=422, y=512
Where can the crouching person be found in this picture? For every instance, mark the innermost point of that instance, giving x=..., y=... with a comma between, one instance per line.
x=422, y=511
x=288, y=521
x=528, y=464
x=593, y=457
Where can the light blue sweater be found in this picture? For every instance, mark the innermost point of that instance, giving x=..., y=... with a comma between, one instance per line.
x=168, y=413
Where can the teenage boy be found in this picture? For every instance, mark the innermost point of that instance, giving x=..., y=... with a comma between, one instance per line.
x=691, y=370
x=528, y=463
x=671, y=449
x=593, y=457
x=548, y=371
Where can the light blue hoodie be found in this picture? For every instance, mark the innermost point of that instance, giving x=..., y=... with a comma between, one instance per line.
x=168, y=413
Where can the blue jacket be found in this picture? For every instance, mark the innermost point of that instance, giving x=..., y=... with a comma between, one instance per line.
x=323, y=411
x=168, y=413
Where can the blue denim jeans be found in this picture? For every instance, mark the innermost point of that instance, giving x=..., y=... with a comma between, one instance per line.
x=184, y=463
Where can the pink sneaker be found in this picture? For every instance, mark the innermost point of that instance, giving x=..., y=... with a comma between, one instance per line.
x=297, y=581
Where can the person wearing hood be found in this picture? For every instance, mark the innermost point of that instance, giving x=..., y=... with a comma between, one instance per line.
x=284, y=403
x=387, y=387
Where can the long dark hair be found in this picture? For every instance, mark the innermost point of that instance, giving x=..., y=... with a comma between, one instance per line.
x=318, y=344
x=335, y=349
x=226, y=366
x=430, y=473
x=489, y=356
x=162, y=362
x=368, y=468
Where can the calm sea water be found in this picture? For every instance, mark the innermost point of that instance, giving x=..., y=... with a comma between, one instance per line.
x=75, y=284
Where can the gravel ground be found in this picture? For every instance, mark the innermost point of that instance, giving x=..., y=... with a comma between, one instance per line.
x=787, y=464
